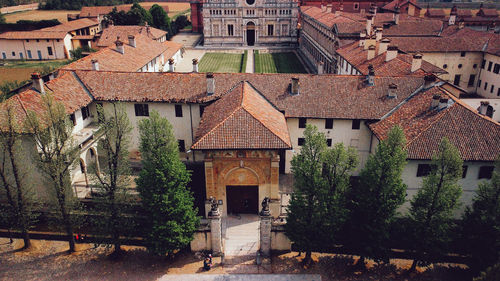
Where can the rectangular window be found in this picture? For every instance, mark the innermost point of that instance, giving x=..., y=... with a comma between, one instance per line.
x=498, y=92
x=492, y=88
x=72, y=118
x=49, y=50
x=85, y=112
x=485, y=172
x=4, y=56
x=230, y=29
x=270, y=30
x=462, y=54
x=329, y=123
x=483, y=63
x=29, y=54
x=456, y=81
x=178, y=110
x=182, y=146
x=472, y=77
x=141, y=109
x=13, y=54
x=496, y=68
x=329, y=142
x=284, y=29
x=490, y=64
x=301, y=141
x=485, y=85
x=479, y=83
x=356, y=123
x=423, y=170
x=464, y=171
x=302, y=122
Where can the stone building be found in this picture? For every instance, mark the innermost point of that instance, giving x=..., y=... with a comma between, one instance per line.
x=250, y=22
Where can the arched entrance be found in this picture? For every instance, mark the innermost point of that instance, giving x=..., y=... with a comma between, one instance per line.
x=250, y=33
x=242, y=191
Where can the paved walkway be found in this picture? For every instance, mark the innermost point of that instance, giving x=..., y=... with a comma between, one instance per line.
x=186, y=64
x=189, y=40
x=240, y=277
x=250, y=60
x=242, y=236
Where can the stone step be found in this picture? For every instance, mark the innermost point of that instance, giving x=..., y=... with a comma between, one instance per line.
x=243, y=259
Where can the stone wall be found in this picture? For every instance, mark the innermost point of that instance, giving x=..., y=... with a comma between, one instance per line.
x=279, y=240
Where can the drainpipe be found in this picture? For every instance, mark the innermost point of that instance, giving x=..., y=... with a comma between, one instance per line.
x=192, y=137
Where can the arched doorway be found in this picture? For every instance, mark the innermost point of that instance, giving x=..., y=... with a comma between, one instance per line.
x=242, y=191
x=250, y=33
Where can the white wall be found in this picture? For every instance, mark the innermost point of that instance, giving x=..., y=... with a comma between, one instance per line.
x=23, y=46
x=490, y=77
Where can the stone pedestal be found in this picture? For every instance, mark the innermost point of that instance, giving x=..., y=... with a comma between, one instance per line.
x=216, y=234
x=265, y=235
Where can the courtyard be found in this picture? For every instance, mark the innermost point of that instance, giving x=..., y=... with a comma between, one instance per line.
x=286, y=62
x=223, y=62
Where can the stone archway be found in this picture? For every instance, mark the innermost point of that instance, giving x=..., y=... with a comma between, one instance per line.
x=242, y=191
x=250, y=33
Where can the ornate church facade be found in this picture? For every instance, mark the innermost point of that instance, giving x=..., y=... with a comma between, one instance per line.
x=250, y=22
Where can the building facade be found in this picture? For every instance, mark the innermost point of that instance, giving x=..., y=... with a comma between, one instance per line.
x=250, y=23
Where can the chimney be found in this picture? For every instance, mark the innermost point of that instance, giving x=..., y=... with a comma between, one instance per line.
x=37, y=82
x=131, y=40
x=461, y=24
x=378, y=33
x=323, y=7
x=339, y=11
x=483, y=107
x=429, y=80
x=382, y=46
x=369, y=24
x=95, y=65
x=396, y=15
x=119, y=45
x=370, y=78
x=416, y=63
x=294, y=89
x=171, y=65
x=392, y=91
x=321, y=66
x=362, y=37
x=210, y=84
x=195, y=65
x=370, y=41
x=392, y=53
x=371, y=52
x=443, y=103
x=453, y=16
x=329, y=8
x=435, y=101
x=373, y=9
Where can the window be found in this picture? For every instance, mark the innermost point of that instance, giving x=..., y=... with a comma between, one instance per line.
x=284, y=29
x=479, y=83
x=356, y=6
x=27, y=40
x=73, y=119
x=464, y=171
x=57, y=40
x=178, y=110
x=498, y=92
x=13, y=54
x=492, y=88
x=485, y=172
x=29, y=54
x=4, y=56
x=302, y=122
x=49, y=50
x=472, y=77
x=445, y=66
x=270, y=30
x=474, y=66
x=483, y=63
x=496, y=68
x=485, y=85
x=301, y=141
x=462, y=54
x=423, y=170
x=456, y=81
x=356, y=124
x=37, y=40
x=141, y=109
x=182, y=146
x=329, y=123
x=460, y=65
x=329, y=142
x=85, y=112
x=490, y=64
x=47, y=40
x=230, y=29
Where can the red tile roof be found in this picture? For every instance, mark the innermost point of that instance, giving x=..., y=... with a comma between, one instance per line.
x=476, y=137
x=344, y=22
x=242, y=119
x=487, y=13
x=109, y=35
x=37, y=34
x=72, y=25
x=435, y=13
x=392, y=5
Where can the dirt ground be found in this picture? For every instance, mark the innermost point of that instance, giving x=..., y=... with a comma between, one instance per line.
x=61, y=15
x=13, y=74
x=48, y=260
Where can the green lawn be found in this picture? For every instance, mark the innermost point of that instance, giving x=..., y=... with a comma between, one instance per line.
x=221, y=62
x=278, y=63
x=33, y=63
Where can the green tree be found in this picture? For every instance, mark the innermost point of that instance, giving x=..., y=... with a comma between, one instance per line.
x=162, y=184
x=13, y=175
x=374, y=201
x=481, y=224
x=51, y=130
x=142, y=15
x=112, y=177
x=159, y=17
x=2, y=18
x=431, y=211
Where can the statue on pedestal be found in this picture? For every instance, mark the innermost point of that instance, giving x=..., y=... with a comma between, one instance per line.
x=214, y=207
x=265, y=207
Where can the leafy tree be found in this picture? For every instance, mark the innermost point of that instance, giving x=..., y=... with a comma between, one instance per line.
x=112, y=177
x=51, y=130
x=181, y=21
x=492, y=273
x=138, y=12
x=77, y=53
x=13, y=175
x=2, y=18
x=481, y=224
x=376, y=198
x=432, y=207
x=307, y=207
x=159, y=17
x=162, y=184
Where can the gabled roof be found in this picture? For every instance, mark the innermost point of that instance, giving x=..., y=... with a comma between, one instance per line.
x=435, y=13
x=72, y=25
x=109, y=35
x=242, y=119
x=477, y=137
x=37, y=34
x=344, y=22
x=487, y=13
x=391, y=6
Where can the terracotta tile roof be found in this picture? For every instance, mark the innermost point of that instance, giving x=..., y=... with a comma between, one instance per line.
x=345, y=22
x=392, y=5
x=435, y=13
x=487, y=13
x=464, y=13
x=242, y=119
x=93, y=12
x=426, y=27
x=37, y=34
x=400, y=66
x=72, y=25
x=109, y=35
x=133, y=59
x=321, y=96
x=476, y=137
